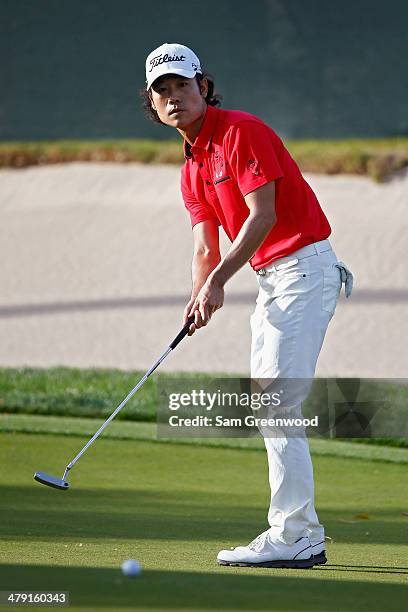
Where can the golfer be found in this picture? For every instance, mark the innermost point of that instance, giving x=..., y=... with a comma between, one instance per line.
x=238, y=174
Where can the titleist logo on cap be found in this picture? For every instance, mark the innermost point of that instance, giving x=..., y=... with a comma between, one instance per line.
x=159, y=59
x=171, y=58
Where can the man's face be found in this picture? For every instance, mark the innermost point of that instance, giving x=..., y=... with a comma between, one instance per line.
x=178, y=101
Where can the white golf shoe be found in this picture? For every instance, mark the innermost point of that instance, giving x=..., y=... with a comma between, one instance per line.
x=265, y=551
x=319, y=553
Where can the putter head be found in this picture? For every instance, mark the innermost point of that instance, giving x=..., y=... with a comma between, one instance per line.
x=51, y=481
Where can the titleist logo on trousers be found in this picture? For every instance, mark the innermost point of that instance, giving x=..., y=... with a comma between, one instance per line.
x=156, y=61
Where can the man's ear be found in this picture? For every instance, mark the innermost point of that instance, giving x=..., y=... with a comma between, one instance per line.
x=151, y=100
x=204, y=87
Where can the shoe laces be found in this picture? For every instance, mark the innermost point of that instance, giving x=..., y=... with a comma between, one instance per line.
x=259, y=542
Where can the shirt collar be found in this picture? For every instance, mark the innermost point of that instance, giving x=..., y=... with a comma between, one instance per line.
x=203, y=139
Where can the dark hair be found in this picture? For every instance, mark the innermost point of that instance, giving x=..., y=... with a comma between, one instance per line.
x=212, y=99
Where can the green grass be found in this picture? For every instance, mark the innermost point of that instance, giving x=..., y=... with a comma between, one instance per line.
x=127, y=430
x=173, y=507
x=377, y=158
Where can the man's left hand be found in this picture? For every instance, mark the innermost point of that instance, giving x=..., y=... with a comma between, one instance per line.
x=209, y=299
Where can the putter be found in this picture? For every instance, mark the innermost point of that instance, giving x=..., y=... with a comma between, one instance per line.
x=61, y=483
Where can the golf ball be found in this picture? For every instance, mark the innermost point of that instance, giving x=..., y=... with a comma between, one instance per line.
x=131, y=568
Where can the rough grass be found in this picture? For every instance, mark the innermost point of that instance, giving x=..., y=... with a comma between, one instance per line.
x=173, y=508
x=376, y=158
x=23, y=154
x=81, y=393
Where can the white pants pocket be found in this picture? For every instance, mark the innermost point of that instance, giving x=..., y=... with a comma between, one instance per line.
x=331, y=288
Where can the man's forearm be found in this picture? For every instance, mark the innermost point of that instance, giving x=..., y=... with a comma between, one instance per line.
x=250, y=237
x=202, y=266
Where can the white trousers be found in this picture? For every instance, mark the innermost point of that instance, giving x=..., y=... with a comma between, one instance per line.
x=297, y=298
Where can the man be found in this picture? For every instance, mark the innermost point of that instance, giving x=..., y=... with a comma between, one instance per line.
x=238, y=174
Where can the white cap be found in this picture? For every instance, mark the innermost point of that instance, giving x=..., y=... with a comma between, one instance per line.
x=171, y=58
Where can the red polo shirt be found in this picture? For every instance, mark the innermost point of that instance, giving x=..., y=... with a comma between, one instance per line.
x=234, y=154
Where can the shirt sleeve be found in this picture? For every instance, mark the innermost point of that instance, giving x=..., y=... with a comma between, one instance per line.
x=252, y=155
x=199, y=210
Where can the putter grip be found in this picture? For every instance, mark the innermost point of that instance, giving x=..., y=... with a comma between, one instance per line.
x=182, y=333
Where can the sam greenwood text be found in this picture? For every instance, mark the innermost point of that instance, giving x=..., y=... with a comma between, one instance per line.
x=247, y=421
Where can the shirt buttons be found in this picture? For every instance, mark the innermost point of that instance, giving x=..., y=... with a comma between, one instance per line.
x=208, y=182
x=201, y=164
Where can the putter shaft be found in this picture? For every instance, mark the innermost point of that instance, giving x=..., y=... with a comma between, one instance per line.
x=115, y=412
x=52, y=480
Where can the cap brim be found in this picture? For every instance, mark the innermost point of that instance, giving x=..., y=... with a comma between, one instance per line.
x=189, y=74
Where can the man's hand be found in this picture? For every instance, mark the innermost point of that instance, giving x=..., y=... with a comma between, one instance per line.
x=209, y=299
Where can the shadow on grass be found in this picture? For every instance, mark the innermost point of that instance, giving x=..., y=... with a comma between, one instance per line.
x=265, y=590
x=370, y=569
x=37, y=512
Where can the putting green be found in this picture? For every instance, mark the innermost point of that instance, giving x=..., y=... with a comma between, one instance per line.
x=173, y=507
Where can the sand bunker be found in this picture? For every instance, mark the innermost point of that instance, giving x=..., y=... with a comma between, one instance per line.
x=96, y=272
